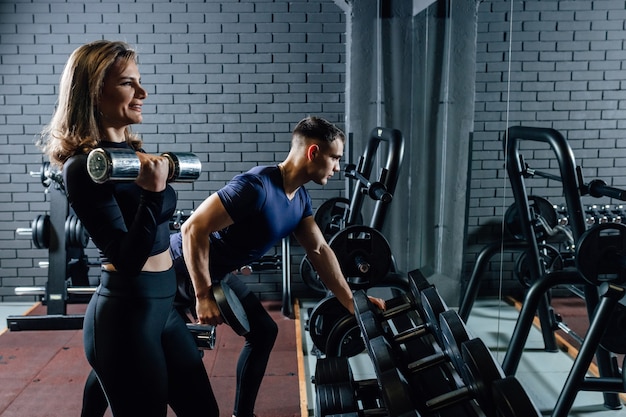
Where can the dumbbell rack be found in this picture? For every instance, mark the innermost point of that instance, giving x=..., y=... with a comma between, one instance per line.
x=426, y=363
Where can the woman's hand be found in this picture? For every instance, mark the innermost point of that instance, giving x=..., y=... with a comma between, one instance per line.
x=153, y=173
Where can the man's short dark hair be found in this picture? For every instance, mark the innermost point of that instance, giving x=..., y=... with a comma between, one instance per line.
x=317, y=128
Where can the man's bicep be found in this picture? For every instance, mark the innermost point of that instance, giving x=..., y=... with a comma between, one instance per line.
x=309, y=235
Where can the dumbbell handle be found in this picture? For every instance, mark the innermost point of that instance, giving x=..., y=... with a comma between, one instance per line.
x=123, y=165
x=24, y=231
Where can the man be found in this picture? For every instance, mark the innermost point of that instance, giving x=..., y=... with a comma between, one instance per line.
x=240, y=222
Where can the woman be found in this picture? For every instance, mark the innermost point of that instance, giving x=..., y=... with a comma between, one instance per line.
x=139, y=347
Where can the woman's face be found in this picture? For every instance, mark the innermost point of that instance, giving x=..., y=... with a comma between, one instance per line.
x=122, y=96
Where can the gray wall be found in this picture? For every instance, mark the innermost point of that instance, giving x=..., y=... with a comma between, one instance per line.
x=229, y=80
x=567, y=71
x=226, y=80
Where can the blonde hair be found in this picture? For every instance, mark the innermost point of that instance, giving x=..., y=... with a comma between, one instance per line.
x=75, y=125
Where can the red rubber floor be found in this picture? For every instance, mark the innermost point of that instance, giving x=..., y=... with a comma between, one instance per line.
x=42, y=372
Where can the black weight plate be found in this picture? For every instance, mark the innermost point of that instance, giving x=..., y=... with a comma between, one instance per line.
x=549, y=255
x=231, y=309
x=417, y=283
x=345, y=338
x=540, y=207
x=512, y=400
x=334, y=399
x=324, y=315
x=394, y=388
x=453, y=335
x=361, y=302
x=481, y=370
x=68, y=229
x=310, y=277
x=364, y=255
x=82, y=237
x=333, y=369
x=72, y=242
x=614, y=338
x=332, y=214
x=370, y=325
x=601, y=254
x=40, y=231
x=432, y=306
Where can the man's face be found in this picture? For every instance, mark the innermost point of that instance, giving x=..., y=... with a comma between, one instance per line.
x=325, y=161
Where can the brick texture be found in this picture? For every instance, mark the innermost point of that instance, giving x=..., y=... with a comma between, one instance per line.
x=552, y=64
x=227, y=80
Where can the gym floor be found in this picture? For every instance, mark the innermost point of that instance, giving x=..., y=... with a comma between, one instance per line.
x=541, y=373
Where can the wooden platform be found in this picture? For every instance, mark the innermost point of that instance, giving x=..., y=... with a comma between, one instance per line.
x=42, y=373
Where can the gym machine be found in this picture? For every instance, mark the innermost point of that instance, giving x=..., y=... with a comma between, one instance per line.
x=597, y=267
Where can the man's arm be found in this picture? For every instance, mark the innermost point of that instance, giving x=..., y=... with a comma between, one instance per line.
x=324, y=260
x=209, y=217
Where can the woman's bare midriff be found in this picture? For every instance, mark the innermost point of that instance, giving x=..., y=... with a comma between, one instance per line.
x=156, y=263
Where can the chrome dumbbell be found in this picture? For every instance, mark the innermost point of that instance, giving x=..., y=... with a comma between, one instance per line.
x=123, y=165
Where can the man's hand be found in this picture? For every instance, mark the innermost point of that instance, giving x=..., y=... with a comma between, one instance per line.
x=378, y=302
x=208, y=312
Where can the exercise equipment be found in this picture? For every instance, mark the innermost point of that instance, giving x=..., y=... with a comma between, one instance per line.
x=543, y=213
x=364, y=255
x=453, y=334
x=203, y=334
x=333, y=329
x=601, y=254
x=229, y=305
x=332, y=214
x=105, y=164
x=230, y=308
x=339, y=213
x=479, y=373
x=39, y=231
x=336, y=371
x=512, y=400
x=600, y=300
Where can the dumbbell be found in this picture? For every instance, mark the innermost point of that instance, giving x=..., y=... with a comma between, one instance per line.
x=333, y=330
x=338, y=393
x=371, y=318
x=479, y=373
x=395, y=390
x=230, y=308
x=123, y=165
x=453, y=335
x=512, y=400
x=203, y=334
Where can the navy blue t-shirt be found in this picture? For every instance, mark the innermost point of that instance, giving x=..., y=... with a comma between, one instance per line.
x=262, y=216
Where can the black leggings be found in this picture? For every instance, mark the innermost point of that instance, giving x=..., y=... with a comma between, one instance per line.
x=141, y=350
x=251, y=365
x=254, y=355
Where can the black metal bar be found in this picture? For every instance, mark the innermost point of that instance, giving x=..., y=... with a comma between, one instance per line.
x=389, y=176
x=47, y=322
x=56, y=287
x=611, y=295
x=484, y=256
x=534, y=296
